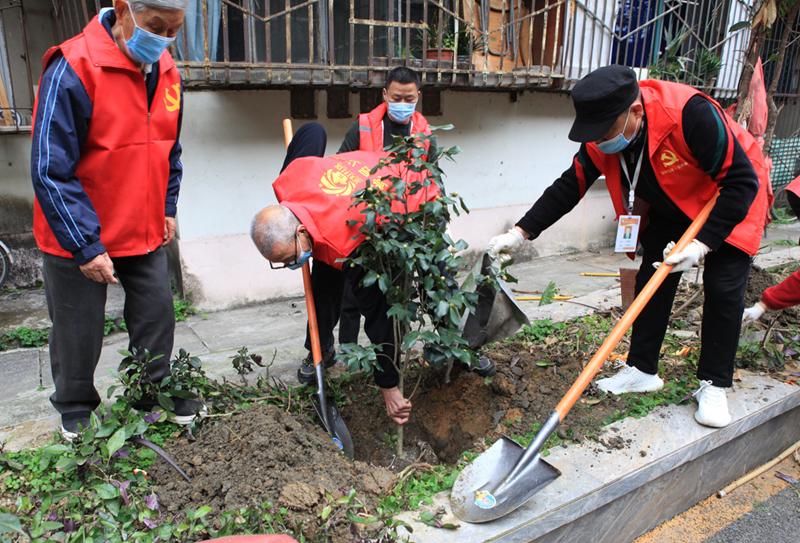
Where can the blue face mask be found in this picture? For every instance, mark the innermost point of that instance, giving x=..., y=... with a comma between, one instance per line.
x=400, y=112
x=618, y=143
x=144, y=46
x=302, y=259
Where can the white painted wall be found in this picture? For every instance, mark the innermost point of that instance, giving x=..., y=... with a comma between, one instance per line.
x=233, y=149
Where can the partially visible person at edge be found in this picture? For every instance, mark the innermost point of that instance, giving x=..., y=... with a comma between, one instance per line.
x=787, y=292
x=673, y=147
x=106, y=171
x=373, y=131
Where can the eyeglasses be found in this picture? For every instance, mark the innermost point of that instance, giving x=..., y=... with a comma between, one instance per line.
x=285, y=265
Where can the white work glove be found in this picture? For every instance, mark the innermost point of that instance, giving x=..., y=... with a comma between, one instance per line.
x=752, y=314
x=505, y=243
x=686, y=259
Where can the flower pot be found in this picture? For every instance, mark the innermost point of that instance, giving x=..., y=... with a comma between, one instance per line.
x=442, y=55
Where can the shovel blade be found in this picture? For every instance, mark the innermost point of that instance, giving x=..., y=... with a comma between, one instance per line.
x=338, y=431
x=482, y=494
x=497, y=315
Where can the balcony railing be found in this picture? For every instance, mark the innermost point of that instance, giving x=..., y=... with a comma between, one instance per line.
x=495, y=44
x=467, y=44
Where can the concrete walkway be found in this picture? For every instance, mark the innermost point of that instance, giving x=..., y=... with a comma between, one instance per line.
x=274, y=328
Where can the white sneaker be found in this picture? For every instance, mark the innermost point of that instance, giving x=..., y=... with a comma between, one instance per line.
x=630, y=379
x=712, y=406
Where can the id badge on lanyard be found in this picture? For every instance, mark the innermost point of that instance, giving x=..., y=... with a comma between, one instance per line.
x=628, y=225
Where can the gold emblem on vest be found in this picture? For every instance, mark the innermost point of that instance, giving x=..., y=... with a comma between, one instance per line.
x=172, y=101
x=339, y=180
x=343, y=178
x=671, y=162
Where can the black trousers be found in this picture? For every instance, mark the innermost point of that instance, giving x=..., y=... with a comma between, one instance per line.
x=77, y=309
x=725, y=277
x=333, y=300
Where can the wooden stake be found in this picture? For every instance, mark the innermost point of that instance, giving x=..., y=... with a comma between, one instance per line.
x=758, y=471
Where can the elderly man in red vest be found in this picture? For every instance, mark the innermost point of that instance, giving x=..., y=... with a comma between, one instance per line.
x=106, y=170
x=665, y=149
x=315, y=217
x=396, y=116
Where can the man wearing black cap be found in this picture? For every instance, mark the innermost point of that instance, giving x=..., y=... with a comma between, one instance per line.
x=665, y=149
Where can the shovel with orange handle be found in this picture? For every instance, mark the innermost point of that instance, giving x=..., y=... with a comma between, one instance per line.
x=331, y=420
x=507, y=475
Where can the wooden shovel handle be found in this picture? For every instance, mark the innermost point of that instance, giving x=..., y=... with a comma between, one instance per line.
x=311, y=309
x=629, y=317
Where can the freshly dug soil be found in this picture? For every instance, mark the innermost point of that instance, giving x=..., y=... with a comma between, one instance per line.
x=471, y=412
x=266, y=454
x=758, y=281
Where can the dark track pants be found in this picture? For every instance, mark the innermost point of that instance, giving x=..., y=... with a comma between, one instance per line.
x=724, y=281
x=77, y=309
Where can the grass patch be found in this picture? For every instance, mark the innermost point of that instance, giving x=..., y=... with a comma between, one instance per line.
x=26, y=337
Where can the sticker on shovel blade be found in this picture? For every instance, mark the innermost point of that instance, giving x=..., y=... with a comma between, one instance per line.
x=484, y=499
x=338, y=442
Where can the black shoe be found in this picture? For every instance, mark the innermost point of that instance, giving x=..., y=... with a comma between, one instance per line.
x=483, y=367
x=183, y=413
x=306, y=373
x=186, y=411
x=73, y=424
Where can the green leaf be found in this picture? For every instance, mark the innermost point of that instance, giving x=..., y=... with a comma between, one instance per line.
x=441, y=308
x=200, y=513
x=184, y=394
x=165, y=401
x=383, y=283
x=106, y=429
x=106, y=491
x=369, y=279
x=739, y=26
x=326, y=512
x=116, y=441
x=10, y=524
x=549, y=293
x=66, y=464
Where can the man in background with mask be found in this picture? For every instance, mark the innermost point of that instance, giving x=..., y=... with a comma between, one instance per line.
x=665, y=149
x=396, y=116
x=106, y=171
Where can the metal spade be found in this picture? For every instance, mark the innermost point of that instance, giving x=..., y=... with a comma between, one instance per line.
x=328, y=415
x=497, y=315
x=506, y=475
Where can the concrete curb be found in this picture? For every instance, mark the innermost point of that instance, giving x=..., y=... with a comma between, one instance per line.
x=613, y=496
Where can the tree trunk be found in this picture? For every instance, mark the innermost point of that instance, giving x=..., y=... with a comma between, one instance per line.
x=758, y=34
x=772, y=117
x=757, y=37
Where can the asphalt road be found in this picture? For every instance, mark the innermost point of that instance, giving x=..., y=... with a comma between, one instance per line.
x=776, y=520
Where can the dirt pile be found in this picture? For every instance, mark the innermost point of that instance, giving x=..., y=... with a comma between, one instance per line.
x=689, y=299
x=265, y=455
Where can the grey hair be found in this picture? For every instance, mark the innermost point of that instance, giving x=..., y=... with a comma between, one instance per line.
x=279, y=229
x=175, y=5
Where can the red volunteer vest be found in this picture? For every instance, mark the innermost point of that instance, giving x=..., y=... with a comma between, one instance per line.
x=319, y=192
x=794, y=186
x=124, y=165
x=678, y=172
x=370, y=128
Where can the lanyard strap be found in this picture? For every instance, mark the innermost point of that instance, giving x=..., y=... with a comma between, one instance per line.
x=633, y=181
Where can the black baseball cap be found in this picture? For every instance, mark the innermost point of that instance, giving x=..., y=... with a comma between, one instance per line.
x=599, y=98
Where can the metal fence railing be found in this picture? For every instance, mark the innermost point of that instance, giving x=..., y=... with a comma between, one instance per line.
x=486, y=44
x=455, y=43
